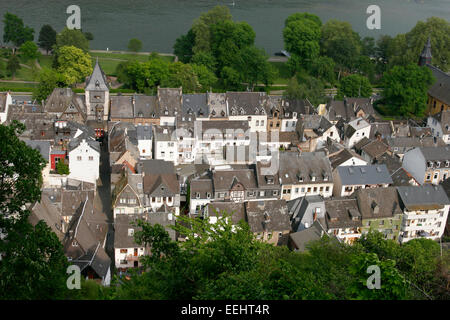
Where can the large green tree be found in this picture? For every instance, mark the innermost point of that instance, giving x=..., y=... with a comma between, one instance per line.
x=135, y=45
x=405, y=89
x=301, y=37
x=72, y=37
x=29, y=50
x=15, y=31
x=74, y=64
x=48, y=79
x=341, y=43
x=33, y=264
x=13, y=65
x=47, y=37
x=354, y=86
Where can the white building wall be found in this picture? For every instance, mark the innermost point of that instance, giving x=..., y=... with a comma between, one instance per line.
x=431, y=221
x=258, y=123
x=122, y=256
x=4, y=114
x=166, y=150
x=357, y=136
x=80, y=165
x=145, y=148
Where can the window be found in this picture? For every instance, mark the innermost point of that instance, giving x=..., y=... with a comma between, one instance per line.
x=91, y=158
x=303, y=190
x=123, y=250
x=257, y=123
x=123, y=200
x=262, y=123
x=327, y=188
x=275, y=192
x=132, y=201
x=296, y=190
x=309, y=190
x=79, y=158
x=315, y=189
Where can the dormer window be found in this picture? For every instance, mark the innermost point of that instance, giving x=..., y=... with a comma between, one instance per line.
x=197, y=195
x=430, y=164
x=447, y=163
x=166, y=112
x=97, y=84
x=208, y=195
x=325, y=177
x=300, y=177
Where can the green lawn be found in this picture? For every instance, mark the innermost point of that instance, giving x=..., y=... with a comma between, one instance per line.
x=126, y=56
x=283, y=72
x=46, y=61
x=18, y=87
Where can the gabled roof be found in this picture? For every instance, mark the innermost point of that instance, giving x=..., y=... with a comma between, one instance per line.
x=378, y=202
x=225, y=179
x=426, y=197
x=97, y=80
x=268, y=216
x=340, y=157
x=441, y=88
x=363, y=175
x=342, y=213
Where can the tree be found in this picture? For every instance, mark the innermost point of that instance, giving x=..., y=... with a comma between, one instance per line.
x=301, y=38
x=33, y=264
x=405, y=89
x=354, y=86
x=181, y=75
x=48, y=79
x=366, y=66
x=88, y=35
x=254, y=67
x=202, y=27
x=205, y=59
x=29, y=50
x=72, y=37
x=410, y=45
x=340, y=43
x=368, y=46
x=47, y=37
x=305, y=87
x=14, y=30
x=13, y=65
x=323, y=68
x=206, y=78
x=231, y=78
x=62, y=167
x=183, y=46
x=301, y=16
x=135, y=45
x=74, y=64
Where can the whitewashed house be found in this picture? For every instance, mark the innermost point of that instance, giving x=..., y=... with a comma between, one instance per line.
x=166, y=144
x=440, y=125
x=84, y=160
x=144, y=135
x=248, y=106
x=355, y=131
x=5, y=101
x=425, y=212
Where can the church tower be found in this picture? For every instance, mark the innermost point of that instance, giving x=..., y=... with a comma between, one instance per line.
x=97, y=95
x=425, y=57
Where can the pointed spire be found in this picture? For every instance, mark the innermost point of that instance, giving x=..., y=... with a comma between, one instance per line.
x=97, y=80
x=425, y=57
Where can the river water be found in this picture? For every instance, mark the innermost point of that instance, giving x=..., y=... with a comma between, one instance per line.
x=157, y=23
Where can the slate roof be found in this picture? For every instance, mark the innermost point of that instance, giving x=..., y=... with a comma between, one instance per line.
x=169, y=101
x=155, y=167
x=407, y=143
x=42, y=146
x=202, y=187
x=121, y=107
x=164, y=219
x=363, y=175
x=217, y=105
x=123, y=222
x=145, y=106
x=195, y=105
x=237, y=210
x=382, y=128
x=247, y=103
x=161, y=185
x=385, y=200
x=144, y=132
x=342, y=213
x=436, y=153
x=301, y=238
x=426, y=197
x=299, y=106
x=337, y=109
x=318, y=124
x=61, y=98
x=225, y=179
x=375, y=148
x=340, y=157
x=292, y=165
x=441, y=88
x=267, y=216
x=47, y=211
x=97, y=80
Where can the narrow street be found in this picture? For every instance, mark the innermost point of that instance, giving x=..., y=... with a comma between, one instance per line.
x=104, y=195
